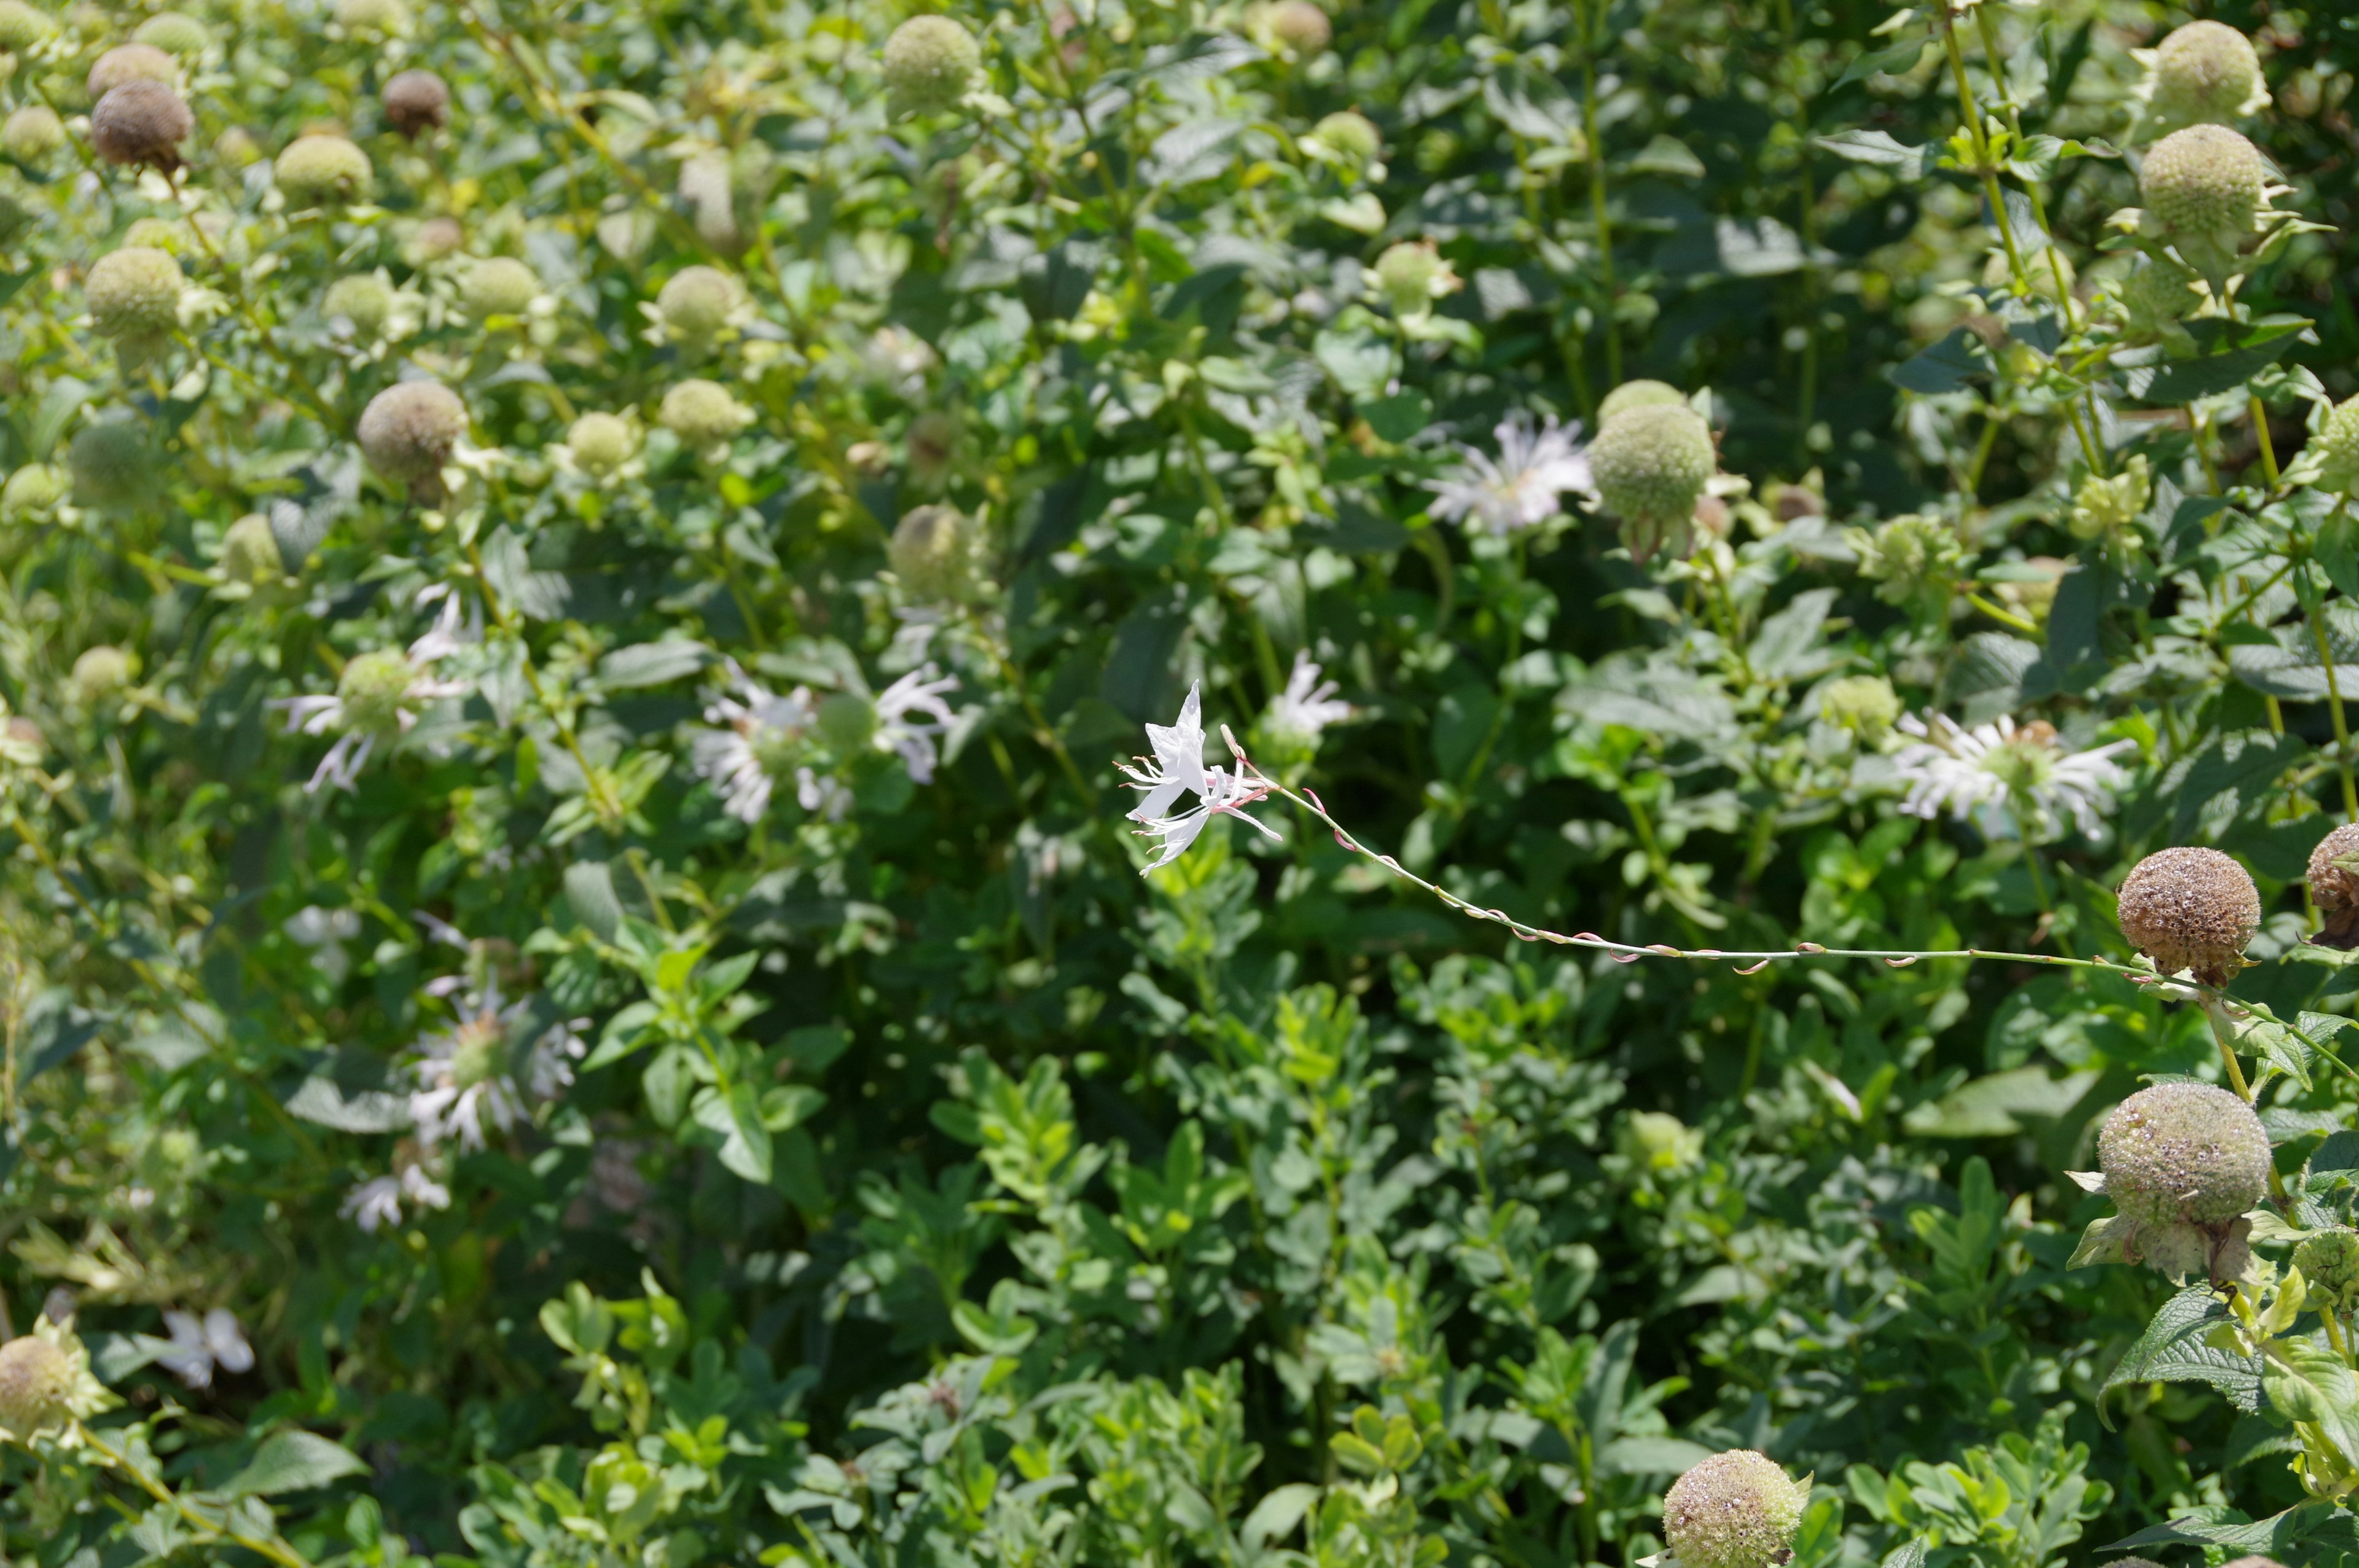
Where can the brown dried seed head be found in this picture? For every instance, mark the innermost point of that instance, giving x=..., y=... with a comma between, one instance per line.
x=2191, y=909
x=141, y=121
x=417, y=101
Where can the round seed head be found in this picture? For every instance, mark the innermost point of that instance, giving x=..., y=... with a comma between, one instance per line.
x=933, y=553
x=33, y=490
x=131, y=62
x=933, y=442
x=701, y=412
x=417, y=101
x=2206, y=181
x=1651, y=463
x=373, y=690
x=134, y=293
x=158, y=235
x=2240, y=1563
x=363, y=298
x=2183, y=1153
x=2206, y=71
x=931, y=63
x=2329, y=1262
x=1736, y=1510
x=499, y=285
x=1412, y=276
x=601, y=442
x=407, y=430
x=322, y=171
x=696, y=302
x=1297, y=26
x=2191, y=909
x=111, y=464
x=174, y=34
x=435, y=238
x=1864, y=705
x=1639, y=395
x=1353, y=136
x=21, y=26
x=141, y=121
x=102, y=672
x=32, y=134
x=2331, y=887
x=37, y=1377
x=250, y=553
x=373, y=18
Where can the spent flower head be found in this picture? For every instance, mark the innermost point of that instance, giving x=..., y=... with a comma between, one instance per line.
x=2024, y=768
x=1524, y=487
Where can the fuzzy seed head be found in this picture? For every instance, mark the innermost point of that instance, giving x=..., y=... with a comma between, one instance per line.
x=373, y=18
x=1297, y=26
x=499, y=285
x=131, y=62
x=363, y=298
x=696, y=302
x=35, y=1378
x=2191, y=909
x=111, y=464
x=701, y=412
x=1354, y=136
x=1413, y=274
x=250, y=553
x=2331, y=887
x=141, y=121
x=374, y=689
x=33, y=490
x=2184, y=1154
x=1736, y=1510
x=1864, y=705
x=407, y=430
x=1639, y=395
x=32, y=134
x=102, y=672
x=323, y=171
x=21, y=26
x=601, y=442
x=1651, y=463
x=2159, y=293
x=416, y=102
x=174, y=34
x=2329, y=1262
x=134, y=293
x=931, y=63
x=2206, y=72
x=2254, y=1562
x=933, y=553
x=2206, y=181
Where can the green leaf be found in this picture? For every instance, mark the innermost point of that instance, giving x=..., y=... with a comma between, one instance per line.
x=1362, y=360
x=2229, y=354
x=2278, y=1536
x=1880, y=148
x=1893, y=59
x=652, y=663
x=1945, y=367
x=2310, y=1383
x=293, y=1460
x=2175, y=1349
x=371, y=1111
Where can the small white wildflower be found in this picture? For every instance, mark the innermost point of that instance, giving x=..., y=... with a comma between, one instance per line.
x=378, y=1200
x=1175, y=769
x=761, y=731
x=1525, y=487
x=2023, y=767
x=462, y=1071
x=377, y=700
x=1301, y=714
x=325, y=932
x=200, y=1345
x=919, y=692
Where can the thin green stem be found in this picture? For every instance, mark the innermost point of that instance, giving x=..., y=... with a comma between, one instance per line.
x=271, y=1547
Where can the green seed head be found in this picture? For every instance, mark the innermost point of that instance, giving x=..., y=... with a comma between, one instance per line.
x=2183, y=1153
x=373, y=18
x=375, y=690
x=1412, y=274
x=2329, y=1262
x=32, y=134
x=1637, y=395
x=174, y=34
x=37, y=1377
x=2206, y=72
x=363, y=298
x=407, y=430
x=1297, y=27
x=416, y=102
x=479, y=1049
x=501, y=285
x=930, y=64
x=323, y=171
x=131, y=62
x=1354, y=138
x=601, y=442
x=695, y=304
x=2205, y=183
x=113, y=464
x=701, y=412
x=2336, y=444
x=32, y=491
x=141, y=121
x=933, y=553
x=1864, y=705
x=1651, y=463
x=250, y=554
x=2191, y=909
x=134, y=293
x=1736, y=1510
x=102, y=672
x=21, y=26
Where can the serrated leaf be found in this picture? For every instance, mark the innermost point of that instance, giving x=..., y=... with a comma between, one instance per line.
x=2311, y=1384
x=652, y=663
x=1880, y=148
x=2175, y=1349
x=1945, y=367
x=2229, y=354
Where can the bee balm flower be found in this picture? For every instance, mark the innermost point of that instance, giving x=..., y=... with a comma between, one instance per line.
x=1737, y=1509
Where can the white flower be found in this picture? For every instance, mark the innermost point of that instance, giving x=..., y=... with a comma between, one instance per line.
x=761, y=728
x=1301, y=713
x=325, y=932
x=1524, y=487
x=2022, y=767
x=378, y=1200
x=1175, y=769
x=462, y=1079
x=376, y=697
x=920, y=691
x=554, y=1053
x=200, y=1345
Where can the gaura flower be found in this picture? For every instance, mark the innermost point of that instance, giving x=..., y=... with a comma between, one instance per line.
x=2023, y=767
x=200, y=1344
x=1524, y=487
x=1177, y=769
x=1301, y=713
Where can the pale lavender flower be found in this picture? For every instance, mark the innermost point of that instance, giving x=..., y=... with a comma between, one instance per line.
x=2023, y=767
x=377, y=699
x=1177, y=769
x=463, y=1087
x=1524, y=487
x=919, y=692
x=200, y=1345
x=760, y=730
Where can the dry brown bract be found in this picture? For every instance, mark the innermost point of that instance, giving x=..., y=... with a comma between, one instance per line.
x=2191, y=909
